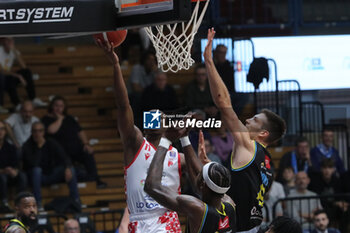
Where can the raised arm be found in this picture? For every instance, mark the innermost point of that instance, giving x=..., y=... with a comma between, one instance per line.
x=56, y=125
x=193, y=164
x=131, y=136
x=185, y=204
x=222, y=100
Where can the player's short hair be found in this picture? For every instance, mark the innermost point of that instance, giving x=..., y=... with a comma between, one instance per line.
x=22, y=195
x=219, y=175
x=275, y=125
x=327, y=163
x=284, y=224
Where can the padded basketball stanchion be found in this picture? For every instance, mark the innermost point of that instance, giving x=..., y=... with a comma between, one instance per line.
x=173, y=48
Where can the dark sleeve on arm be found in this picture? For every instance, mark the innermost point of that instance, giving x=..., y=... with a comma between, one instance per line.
x=75, y=123
x=26, y=152
x=60, y=153
x=13, y=156
x=46, y=120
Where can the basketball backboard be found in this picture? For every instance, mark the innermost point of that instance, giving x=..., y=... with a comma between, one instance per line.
x=62, y=17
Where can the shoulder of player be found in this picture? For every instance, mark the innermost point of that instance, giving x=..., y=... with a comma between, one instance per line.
x=15, y=229
x=134, y=140
x=228, y=200
x=246, y=155
x=191, y=205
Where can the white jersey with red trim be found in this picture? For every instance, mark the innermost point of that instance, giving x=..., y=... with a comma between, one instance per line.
x=141, y=205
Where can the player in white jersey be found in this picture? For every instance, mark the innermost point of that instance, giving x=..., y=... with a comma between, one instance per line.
x=146, y=215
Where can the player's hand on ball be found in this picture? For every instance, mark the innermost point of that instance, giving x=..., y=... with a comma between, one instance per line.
x=108, y=48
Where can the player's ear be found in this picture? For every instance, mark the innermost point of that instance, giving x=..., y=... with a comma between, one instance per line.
x=264, y=133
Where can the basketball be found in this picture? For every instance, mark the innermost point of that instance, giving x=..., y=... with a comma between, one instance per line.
x=117, y=37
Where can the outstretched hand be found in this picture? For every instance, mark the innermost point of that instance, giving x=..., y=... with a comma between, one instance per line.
x=202, y=153
x=209, y=47
x=108, y=48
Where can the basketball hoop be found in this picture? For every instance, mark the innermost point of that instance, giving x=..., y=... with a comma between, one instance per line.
x=173, y=50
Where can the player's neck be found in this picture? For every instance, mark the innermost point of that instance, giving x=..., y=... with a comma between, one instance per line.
x=261, y=142
x=214, y=202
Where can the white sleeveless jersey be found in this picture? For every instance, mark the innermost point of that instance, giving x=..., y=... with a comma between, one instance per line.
x=140, y=204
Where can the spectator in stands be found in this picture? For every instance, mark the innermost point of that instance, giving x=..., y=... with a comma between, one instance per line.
x=275, y=193
x=321, y=222
x=302, y=210
x=8, y=56
x=19, y=125
x=71, y=226
x=142, y=74
x=210, y=151
x=225, y=70
x=327, y=182
x=66, y=130
x=223, y=143
x=9, y=169
x=282, y=224
x=224, y=67
x=326, y=150
x=46, y=163
x=288, y=179
x=3, y=110
x=299, y=159
x=137, y=40
x=194, y=134
x=159, y=95
x=197, y=93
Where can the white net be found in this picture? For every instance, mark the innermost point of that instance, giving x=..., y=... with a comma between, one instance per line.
x=173, y=42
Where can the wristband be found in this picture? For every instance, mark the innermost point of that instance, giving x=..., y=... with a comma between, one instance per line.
x=164, y=142
x=185, y=141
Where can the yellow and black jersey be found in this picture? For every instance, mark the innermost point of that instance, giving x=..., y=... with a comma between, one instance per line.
x=249, y=184
x=15, y=222
x=215, y=221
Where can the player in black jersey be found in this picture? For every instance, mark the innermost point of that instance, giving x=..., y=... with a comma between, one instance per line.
x=214, y=213
x=251, y=177
x=26, y=211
